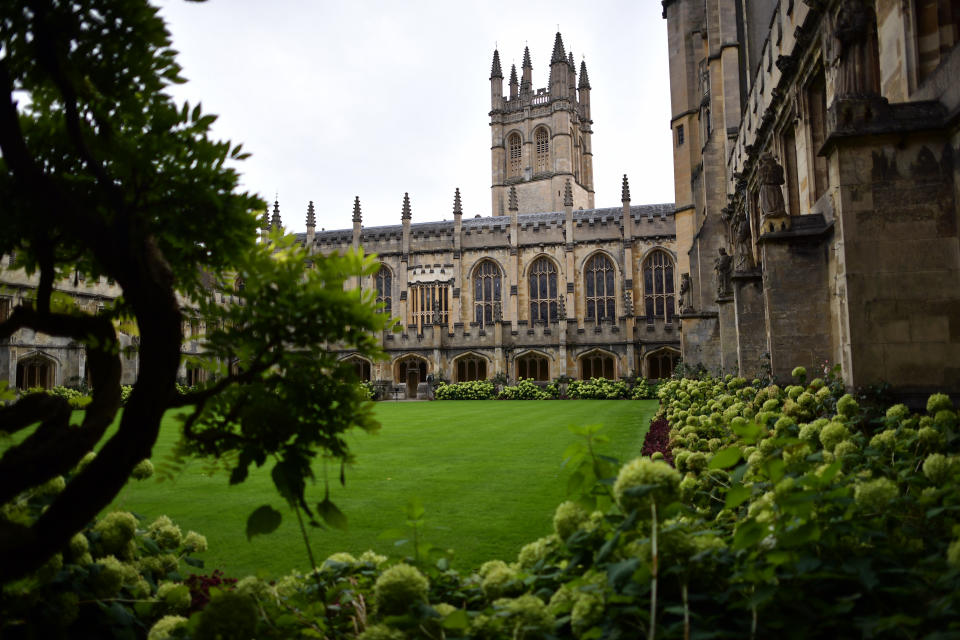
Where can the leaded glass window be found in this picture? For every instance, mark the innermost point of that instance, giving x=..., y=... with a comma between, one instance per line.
x=598, y=278
x=543, y=291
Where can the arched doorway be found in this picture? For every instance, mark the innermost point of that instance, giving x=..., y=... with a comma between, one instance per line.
x=534, y=366
x=597, y=364
x=470, y=367
x=361, y=367
x=411, y=371
x=661, y=363
x=36, y=371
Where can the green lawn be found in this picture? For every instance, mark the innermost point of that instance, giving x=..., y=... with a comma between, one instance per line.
x=488, y=473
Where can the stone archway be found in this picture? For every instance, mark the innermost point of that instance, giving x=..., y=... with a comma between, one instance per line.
x=410, y=371
x=36, y=370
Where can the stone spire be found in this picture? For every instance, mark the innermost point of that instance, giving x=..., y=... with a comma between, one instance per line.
x=356, y=210
x=457, y=208
x=567, y=194
x=311, y=215
x=558, y=53
x=584, y=79
x=625, y=191
x=405, y=212
x=512, y=204
x=513, y=81
x=526, y=80
x=495, y=71
x=275, y=222
x=570, y=60
x=265, y=219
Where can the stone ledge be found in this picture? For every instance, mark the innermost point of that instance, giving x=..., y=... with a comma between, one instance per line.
x=693, y=315
x=811, y=226
x=753, y=274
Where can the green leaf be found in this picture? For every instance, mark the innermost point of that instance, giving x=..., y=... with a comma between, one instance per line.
x=620, y=572
x=725, y=458
x=640, y=490
x=748, y=432
x=456, y=620
x=263, y=520
x=830, y=472
x=175, y=594
x=332, y=515
x=737, y=495
x=774, y=469
x=194, y=562
x=749, y=533
x=414, y=509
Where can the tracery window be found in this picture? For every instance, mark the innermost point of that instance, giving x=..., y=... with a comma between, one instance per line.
x=599, y=286
x=515, y=147
x=361, y=367
x=541, y=143
x=384, y=282
x=430, y=303
x=658, y=292
x=533, y=366
x=543, y=291
x=471, y=368
x=487, y=282
x=35, y=371
x=5, y=306
x=661, y=364
x=596, y=365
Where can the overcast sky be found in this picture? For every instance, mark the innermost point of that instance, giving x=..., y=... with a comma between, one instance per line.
x=374, y=98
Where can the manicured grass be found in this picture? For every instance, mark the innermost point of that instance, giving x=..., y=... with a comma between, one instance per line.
x=488, y=473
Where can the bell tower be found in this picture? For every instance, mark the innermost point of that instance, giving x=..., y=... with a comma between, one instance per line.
x=541, y=138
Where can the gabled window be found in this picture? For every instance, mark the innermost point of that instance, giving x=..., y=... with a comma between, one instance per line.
x=543, y=291
x=599, y=286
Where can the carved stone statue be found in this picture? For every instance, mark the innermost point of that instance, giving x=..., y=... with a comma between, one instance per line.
x=686, y=301
x=723, y=266
x=436, y=311
x=742, y=247
x=856, y=33
x=771, y=195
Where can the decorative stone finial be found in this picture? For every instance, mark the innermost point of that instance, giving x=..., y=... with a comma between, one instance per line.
x=311, y=215
x=584, y=79
x=495, y=71
x=513, y=74
x=457, y=209
x=405, y=212
x=526, y=59
x=275, y=222
x=558, y=53
x=512, y=202
x=571, y=61
x=356, y=210
x=625, y=191
x=567, y=194
x=265, y=219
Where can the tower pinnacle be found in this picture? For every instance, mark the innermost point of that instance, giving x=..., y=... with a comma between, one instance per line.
x=405, y=212
x=457, y=208
x=512, y=205
x=558, y=53
x=526, y=59
x=356, y=210
x=584, y=79
x=567, y=194
x=275, y=222
x=625, y=191
x=495, y=71
x=311, y=215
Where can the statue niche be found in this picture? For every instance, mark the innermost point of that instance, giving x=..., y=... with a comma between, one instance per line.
x=723, y=265
x=773, y=210
x=742, y=243
x=686, y=298
x=858, y=75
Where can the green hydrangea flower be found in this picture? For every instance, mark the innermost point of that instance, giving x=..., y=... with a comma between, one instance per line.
x=370, y=557
x=937, y=468
x=398, y=588
x=166, y=534
x=938, y=402
x=567, y=518
x=78, y=545
x=527, y=612
x=538, y=550
x=643, y=471
x=195, y=542
x=885, y=440
x=228, y=615
x=587, y=611
x=165, y=626
x=945, y=419
x=174, y=595
x=810, y=432
x=875, y=495
x=657, y=455
x=341, y=557
x=143, y=470
x=807, y=400
x=254, y=587
x=107, y=576
x=832, y=435
x=847, y=406
x=771, y=405
x=898, y=412
x=800, y=373
x=116, y=529
x=499, y=580
x=562, y=600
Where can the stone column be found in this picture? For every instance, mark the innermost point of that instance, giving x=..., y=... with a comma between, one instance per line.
x=750, y=323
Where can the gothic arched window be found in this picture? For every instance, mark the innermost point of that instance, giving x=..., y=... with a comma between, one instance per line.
x=533, y=366
x=541, y=142
x=486, y=291
x=35, y=371
x=661, y=364
x=361, y=367
x=471, y=368
x=596, y=365
x=543, y=291
x=599, y=286
x=384, y=280
x=515, y=149
x=658, y=292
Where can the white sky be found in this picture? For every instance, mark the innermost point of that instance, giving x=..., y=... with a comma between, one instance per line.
x=374, y=98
